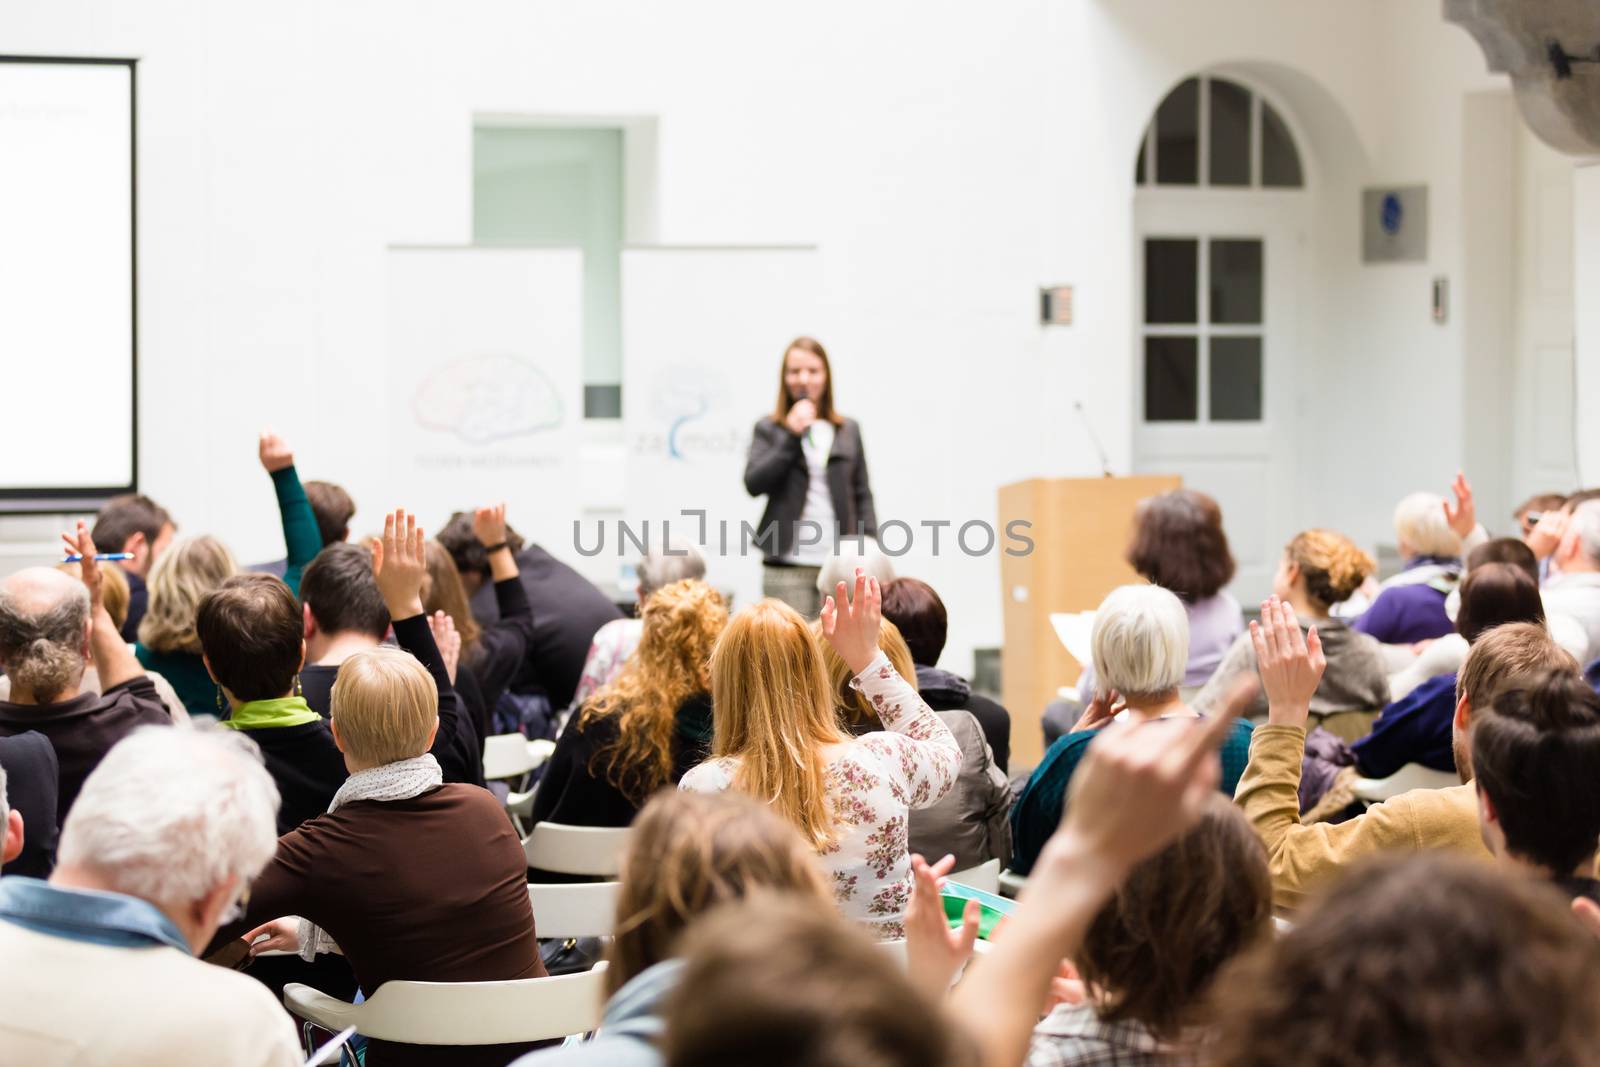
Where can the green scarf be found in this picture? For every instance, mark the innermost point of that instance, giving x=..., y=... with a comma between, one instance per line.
x=265, y=714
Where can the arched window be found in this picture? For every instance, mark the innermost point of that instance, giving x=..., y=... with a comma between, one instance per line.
x=1214, y=133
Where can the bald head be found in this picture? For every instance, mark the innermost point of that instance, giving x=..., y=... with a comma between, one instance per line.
x=44, y=634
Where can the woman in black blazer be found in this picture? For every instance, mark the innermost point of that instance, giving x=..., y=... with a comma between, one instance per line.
x=807, y=460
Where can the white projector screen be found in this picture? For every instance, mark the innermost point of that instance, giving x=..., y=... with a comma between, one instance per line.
x=67, y=336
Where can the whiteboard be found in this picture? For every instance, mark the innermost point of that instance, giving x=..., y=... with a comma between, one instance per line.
x=66, y=279
x=485, y=401
x=704, y=332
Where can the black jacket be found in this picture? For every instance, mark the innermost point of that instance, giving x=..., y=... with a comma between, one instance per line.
x=306, y=765
x=776, y=469
x=30, y=766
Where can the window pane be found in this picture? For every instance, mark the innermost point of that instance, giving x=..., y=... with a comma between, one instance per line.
x=1171, y=281
x=1236, y=283
x=1235, y=379
x=1230, y=134
x=1178, y=136
x=1138, y=163
x=1171, y=379
x=1280, y=162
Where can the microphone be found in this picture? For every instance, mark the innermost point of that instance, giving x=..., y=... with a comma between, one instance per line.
x=1094, y=438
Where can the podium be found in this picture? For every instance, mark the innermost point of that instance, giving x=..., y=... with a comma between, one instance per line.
x=1080, y=529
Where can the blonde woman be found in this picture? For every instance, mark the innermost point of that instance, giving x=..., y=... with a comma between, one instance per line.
x=649, y=725
x=182, y=577
x=778, y=738
x=1319, y=568
x=970, y=822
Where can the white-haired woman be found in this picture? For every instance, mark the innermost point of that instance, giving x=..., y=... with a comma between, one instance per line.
x=1140, y=646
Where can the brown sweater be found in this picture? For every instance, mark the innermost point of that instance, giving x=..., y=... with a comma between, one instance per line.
x=428, y=889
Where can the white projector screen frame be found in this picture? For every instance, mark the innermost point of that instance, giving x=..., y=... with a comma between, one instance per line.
x=110, y=462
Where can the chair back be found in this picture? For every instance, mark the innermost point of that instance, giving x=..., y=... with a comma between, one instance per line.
x=507, y=756
x=985, y=876
x=584, y=909
x=1411, y=776
x=595, y=851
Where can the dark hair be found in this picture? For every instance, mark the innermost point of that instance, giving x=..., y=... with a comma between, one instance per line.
x=1539, y=502
x=1582, y=496
x=786, y=983
x=465, y=548
x=1495, y=594
x=250, y=630
x=1178, y=543
x=123, y=516
x=1510, y=550
x=825, y=410
x=1502, y=656
x=916, y=609
x=1536, y=755
x=1417, y=959
x=334, y=510
x=1154, y=949
x=339, y=588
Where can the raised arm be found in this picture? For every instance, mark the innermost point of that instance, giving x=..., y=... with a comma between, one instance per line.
x=503, y=644
x=113, y=659
x=302, y=539
x=774, y=450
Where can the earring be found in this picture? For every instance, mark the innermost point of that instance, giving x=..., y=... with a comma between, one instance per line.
x=222, y=705
x=297, y=685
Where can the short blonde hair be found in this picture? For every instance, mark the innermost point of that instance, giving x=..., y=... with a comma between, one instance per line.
x=179, y=580
x=385, y=705
x=1140, y=641
x=1420, y=525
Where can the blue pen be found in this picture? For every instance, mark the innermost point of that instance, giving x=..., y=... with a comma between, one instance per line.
x=102, y=559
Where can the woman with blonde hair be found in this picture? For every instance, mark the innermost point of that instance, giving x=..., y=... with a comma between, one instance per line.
x=778, y=738
x=649, y=725
x=181, y=578
x=1319, y=569
x=970, y=822
x=687, y=855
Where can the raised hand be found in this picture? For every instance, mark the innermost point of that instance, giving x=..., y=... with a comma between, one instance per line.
x=1101, y=710
x=1289, y=662
x=1547, y=535
x=275, y=454
x=851, y=623
x=489, y=525
x=934, y=952
x=448, y=638
x=81, y=544
x=1463, y=516
x=399, y=564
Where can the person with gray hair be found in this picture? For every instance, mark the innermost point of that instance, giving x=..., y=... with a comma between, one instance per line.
x=50, y=626
x=615, y=641
x=1573, y=588
x=167, y=835
x=854, y=553
x=1140, y=648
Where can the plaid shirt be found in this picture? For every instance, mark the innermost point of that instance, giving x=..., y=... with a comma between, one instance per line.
x=1073, y=1036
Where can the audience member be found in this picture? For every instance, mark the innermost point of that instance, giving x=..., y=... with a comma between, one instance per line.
x=850, y=555
x=749, y=993
x=914, y=607
x=1429, y=536
x=407, y=876
x=971, y=822
x=136, y=525
x=1291, y=666
x=778, y=738
x=184, y=575
x=50, y=626
x=343, y=613
x=166, y=837
x=615, y=641
x=1140, y=646
x=1531, y=510
x=1417, y=960
x=28, y=764
x=11, y=823
x=333, y=509
x=1319, y=569
x=302, y=536
x=687, y=854
x=250, y=629
x=647, y=727
x=1573, y=587
x=568, y=609
x=1536, y=766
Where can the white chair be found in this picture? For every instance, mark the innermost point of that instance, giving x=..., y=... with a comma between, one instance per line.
x=509, y=757
x=1411, y=776
x=1011, y=883
x=462, y=1013
x=586, y=909
x=595, y=851
x=985, y=876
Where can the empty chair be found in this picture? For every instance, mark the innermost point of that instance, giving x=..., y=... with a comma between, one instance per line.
x=593, y=851
x=1011, y=883
x=509, y=757
x=583, y=909
x=1411, y=776
x=985, y=876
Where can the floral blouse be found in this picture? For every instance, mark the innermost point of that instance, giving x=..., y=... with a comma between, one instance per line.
x=873, y=783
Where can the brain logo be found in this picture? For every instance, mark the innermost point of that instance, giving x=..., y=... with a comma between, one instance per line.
x=487, y=398
x=683, y=395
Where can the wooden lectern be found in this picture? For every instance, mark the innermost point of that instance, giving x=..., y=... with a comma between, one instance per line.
x=1080, y=529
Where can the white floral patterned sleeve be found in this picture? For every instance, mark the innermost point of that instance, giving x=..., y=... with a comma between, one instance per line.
x=873, y=785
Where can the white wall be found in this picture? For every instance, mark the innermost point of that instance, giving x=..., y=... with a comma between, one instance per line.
x=1586, y=381
x=947, y=159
